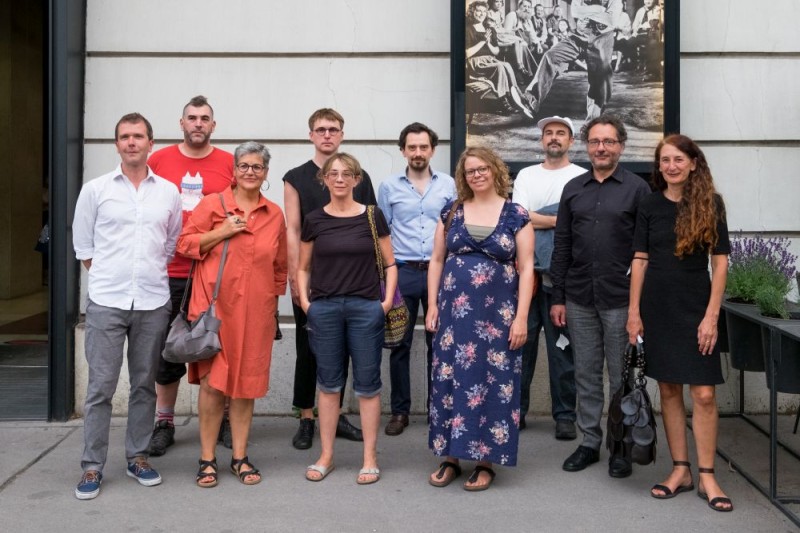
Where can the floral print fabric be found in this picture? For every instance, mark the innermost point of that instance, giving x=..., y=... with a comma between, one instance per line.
x=475, y=381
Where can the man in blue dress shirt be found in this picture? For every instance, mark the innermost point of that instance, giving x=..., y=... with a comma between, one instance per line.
x=412, y=203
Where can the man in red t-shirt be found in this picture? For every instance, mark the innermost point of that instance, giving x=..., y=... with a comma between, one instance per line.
x=197, y=169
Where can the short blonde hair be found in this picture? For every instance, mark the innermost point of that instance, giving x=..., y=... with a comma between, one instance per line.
x=347, y=160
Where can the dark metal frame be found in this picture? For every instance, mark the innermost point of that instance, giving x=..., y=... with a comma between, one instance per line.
x=457, y=83
x=776, y=331
x=66, y=53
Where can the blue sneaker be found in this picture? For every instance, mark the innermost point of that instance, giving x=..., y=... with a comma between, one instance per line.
x=89, y=486
x=142, y=472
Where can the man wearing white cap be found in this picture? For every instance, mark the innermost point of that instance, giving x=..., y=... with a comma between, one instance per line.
x=538, y=188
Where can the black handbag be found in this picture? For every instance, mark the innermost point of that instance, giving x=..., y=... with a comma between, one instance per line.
x=189, y=342
x=631, y=428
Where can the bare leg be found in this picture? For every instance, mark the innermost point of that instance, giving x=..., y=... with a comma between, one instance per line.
x=673, y=412
x=370, y=420
x=328, y=417
x=210, y=405
x=241, y=418
x=167, y=395
x=705, y=425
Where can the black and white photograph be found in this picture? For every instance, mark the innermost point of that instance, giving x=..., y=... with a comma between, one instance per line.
x=527, y=59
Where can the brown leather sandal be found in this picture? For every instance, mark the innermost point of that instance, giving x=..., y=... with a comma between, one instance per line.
x=441, y=478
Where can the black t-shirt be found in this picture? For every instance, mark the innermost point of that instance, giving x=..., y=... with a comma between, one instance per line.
x=313, y=195
x=343, y=260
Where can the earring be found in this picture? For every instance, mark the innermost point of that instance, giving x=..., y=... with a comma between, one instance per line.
x=262, y=186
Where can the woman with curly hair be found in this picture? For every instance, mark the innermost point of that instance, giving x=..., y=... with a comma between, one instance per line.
x=480, y=285
x=674, y=306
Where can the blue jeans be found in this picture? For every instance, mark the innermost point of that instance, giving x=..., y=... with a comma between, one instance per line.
x=347, y=324
x=413, y=284
x=560, y=362
x=598, y=335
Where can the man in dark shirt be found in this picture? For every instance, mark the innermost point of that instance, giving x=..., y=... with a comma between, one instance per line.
x=590, y=266
x=302, y=194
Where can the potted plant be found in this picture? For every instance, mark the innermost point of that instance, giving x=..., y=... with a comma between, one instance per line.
x=759, y=272
x=756, y=263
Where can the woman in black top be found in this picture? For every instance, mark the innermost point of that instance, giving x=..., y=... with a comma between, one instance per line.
x=339, y=290
x=677, y=228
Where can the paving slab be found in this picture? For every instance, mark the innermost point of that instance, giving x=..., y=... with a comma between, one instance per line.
x=537, y=495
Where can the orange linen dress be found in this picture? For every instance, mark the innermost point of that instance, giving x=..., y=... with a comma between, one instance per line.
x=253, y=279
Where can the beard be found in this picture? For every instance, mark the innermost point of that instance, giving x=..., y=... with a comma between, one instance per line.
x=190, y=138
x=418, y=164
x=555, y=150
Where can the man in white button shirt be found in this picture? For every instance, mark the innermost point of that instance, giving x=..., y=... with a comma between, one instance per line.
x=125, y=229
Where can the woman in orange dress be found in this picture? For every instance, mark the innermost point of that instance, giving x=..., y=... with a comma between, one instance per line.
x=254, y=277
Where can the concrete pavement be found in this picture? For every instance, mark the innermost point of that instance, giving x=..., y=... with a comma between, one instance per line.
x=39, y=467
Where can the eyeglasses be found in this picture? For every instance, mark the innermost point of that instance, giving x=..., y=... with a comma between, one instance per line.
x=244, y=167
x=480, y=171
x=608, y=143
x=330, y=131
x=334, y=175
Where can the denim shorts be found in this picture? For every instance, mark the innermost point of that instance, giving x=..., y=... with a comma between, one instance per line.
x=347, y=324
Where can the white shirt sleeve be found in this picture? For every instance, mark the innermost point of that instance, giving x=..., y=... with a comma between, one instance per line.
x=83, y=223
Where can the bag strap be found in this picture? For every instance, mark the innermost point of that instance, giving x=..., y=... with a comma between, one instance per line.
x=374, y=230
x=222, y=260
x=450, y=215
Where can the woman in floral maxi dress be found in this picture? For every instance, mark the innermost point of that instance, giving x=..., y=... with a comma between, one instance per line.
x=480, y=285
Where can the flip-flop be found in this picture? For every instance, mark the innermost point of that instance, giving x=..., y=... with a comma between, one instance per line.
x=441, y=477
x=324, y=470
x=474, y=477
x=368, y=472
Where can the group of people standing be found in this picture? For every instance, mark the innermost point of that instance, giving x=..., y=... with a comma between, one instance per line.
x=593, y=251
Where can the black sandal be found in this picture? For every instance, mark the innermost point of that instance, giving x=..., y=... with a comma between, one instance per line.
x=669, y=493
x=474, y=478
x=441, y=479
x=237, y=466
x=714, y=502
x=201, y=474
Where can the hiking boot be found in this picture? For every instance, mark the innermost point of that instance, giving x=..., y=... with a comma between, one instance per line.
x=163, y=437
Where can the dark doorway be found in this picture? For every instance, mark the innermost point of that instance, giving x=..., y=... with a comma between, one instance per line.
x=24, y=229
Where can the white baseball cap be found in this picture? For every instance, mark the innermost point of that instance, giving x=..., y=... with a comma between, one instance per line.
x=561, y=120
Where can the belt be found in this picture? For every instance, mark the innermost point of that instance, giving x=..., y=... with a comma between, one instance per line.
x=418, y=265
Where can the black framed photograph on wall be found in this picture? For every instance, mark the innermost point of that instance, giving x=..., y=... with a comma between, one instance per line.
x=515, y=61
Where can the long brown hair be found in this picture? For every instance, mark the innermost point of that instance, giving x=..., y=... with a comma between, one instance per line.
x=500, y=175
x=696, y=223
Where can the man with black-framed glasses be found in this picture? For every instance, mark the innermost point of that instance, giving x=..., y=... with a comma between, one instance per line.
x=592, y=254
x=302, y=194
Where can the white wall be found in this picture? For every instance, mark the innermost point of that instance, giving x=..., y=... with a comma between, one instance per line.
x=265, y=65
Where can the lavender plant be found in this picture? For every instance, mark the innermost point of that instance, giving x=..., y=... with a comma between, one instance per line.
x=761, y=272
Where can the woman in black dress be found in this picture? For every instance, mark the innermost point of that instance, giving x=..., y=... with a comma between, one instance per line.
x=677, y=228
